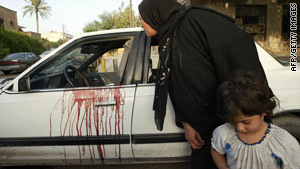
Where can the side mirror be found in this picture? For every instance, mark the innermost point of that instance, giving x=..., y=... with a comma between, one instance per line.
x=24, y=84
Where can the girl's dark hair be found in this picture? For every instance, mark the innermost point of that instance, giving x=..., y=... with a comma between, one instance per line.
x=245, y=92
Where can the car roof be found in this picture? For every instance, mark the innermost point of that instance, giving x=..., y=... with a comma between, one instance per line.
x=20, y=53
x=122, y=30
x=101, y=32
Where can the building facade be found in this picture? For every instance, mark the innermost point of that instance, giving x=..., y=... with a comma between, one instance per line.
x=56, y=36
x=8, y=19
x=33, y=35
x=268, y=21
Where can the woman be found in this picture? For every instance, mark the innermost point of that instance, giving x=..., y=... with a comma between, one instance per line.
x=199, y=48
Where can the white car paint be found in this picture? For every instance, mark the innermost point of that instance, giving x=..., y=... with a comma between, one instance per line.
x=284, y=82
x=28, y=115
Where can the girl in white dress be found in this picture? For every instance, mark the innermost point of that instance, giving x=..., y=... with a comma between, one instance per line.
x=247, y=140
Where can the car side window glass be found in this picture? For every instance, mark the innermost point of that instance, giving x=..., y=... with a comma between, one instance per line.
x=109, y=62
x=104, y=70
x=97, y=62
x=15, y=56
x=34, y=56
x=29, y=56
x=154, y=59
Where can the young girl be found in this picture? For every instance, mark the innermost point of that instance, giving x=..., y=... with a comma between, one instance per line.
x=247, y=141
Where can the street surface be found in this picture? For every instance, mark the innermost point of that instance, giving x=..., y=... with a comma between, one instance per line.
x=3, y=76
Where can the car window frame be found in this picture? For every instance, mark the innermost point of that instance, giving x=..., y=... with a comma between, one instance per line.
x=12, y=89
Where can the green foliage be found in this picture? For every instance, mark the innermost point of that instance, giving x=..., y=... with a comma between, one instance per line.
x=50, y=45
x=13, y=42
x=249, y=2
x=3, y=51
x=113, y=20
x=92, y=26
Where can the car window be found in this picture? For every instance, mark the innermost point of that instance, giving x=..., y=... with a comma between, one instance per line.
x=29, y=56
x=34, y=56
x=154, y=59
x=99, y=61
x=110, y=61
x=154, y=56
x=16, y=56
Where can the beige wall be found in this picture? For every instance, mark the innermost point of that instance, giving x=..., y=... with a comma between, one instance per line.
x=10, y=18
x=273, y=43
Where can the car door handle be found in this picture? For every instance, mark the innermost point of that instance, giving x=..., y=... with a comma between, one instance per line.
x=106, y=103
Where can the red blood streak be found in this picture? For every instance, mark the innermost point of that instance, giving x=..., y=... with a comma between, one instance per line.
x=78, y=111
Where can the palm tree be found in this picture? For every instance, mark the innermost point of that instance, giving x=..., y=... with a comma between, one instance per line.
x=39, y=7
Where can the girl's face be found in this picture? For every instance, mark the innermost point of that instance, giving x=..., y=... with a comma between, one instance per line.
x=248, y=124
x=148, y=29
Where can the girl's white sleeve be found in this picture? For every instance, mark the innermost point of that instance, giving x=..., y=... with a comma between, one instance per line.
x=291, y=152
x=218, y=139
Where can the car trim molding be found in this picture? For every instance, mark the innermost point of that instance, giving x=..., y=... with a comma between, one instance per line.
x=158, y=138
x=92, y=140
x=64, y=140
x=69, y=89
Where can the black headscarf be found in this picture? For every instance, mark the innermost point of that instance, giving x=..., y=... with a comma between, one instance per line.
x=161, y=15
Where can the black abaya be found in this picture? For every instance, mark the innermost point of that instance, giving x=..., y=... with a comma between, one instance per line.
x=207, y=49
x=199, y=49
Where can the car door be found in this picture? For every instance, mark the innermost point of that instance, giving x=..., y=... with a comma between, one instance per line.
x=43, y=122
x=148, y=143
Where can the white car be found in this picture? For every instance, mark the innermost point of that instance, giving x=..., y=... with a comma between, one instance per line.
x=90, y=101
x=45, y=53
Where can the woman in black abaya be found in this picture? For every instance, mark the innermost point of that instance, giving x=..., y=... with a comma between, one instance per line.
x=199, y=48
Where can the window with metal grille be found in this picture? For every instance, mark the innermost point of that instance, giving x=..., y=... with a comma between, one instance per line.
x=1, y=22
x=252, y=19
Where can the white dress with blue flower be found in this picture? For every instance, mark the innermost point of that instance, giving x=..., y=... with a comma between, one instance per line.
x=278, y=149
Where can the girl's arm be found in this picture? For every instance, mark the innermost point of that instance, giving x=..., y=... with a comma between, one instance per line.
x=219, y=159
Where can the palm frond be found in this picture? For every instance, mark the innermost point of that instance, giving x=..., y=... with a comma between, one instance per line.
x=44, y=15
x=28, y=9
x=38, y=7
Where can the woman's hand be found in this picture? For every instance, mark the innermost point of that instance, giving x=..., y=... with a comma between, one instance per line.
x=193, y=137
